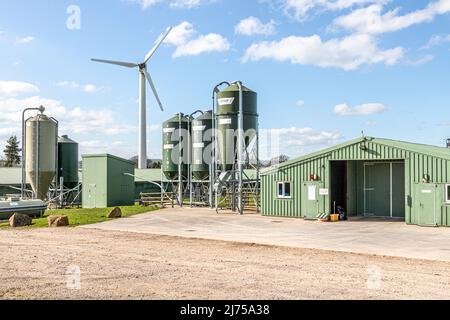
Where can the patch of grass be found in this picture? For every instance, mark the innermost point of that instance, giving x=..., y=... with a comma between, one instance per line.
x=78, y=217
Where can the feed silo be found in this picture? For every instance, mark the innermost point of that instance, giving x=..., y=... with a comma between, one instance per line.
x=228, y=104
x=201, y=142
x=41, y=134
x=68, y=161
x=175, y=146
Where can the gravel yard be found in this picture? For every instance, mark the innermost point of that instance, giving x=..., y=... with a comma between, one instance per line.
x=122, y=265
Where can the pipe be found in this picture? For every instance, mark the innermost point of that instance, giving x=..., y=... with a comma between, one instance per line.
x=163, y=192
x=191, y=118
x=241, y=145
x=180, y=171
x=213, y=164
x=56, y=153
x=258, y=168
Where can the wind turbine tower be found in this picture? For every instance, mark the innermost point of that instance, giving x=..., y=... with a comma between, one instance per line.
x=143, y=77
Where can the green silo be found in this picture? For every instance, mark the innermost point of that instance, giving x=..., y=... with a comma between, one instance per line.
x=201, y=140
x=172, y=146
x=68, y=161
x=227, y=121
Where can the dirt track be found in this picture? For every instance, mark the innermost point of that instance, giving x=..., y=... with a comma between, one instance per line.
x=118, y=265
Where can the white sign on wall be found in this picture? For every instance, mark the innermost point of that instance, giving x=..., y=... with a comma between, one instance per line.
x=312, y=193
x=324, y=192
x=226, y=101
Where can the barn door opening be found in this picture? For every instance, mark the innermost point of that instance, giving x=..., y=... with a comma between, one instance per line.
x=339, y=185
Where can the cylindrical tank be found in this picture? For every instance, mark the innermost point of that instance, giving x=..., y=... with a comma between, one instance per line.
x=41, y=139
x=227, y=122
x=174, y=130
x=68, y=161
x=201, y=140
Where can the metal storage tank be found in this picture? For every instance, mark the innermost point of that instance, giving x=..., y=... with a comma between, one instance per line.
x=41, y=139
x=227, y=121
x=68, y=161
x=200, y=142
x=171, y=146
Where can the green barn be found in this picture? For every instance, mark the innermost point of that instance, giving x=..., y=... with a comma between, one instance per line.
x=368, y=177
x=107, y=181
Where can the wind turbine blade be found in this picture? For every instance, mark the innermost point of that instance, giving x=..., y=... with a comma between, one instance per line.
x=152, y=85
x=118, y=63
x=158, y=44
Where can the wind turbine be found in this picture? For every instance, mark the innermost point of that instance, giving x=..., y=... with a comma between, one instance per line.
x=143, y=75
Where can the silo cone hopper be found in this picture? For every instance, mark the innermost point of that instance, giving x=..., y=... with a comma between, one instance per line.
x=41, y=153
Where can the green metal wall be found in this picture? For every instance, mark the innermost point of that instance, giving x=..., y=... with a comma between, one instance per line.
x=120, y=187
x=104, y=182
x=419, y=161
x=94, y=193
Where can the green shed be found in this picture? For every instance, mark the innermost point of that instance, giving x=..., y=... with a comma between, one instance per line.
x=106, y=183
x=367, y=177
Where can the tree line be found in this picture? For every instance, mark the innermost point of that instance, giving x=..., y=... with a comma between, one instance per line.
x=12, y=153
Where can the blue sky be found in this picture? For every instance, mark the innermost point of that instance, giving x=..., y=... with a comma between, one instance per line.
x=324, y=70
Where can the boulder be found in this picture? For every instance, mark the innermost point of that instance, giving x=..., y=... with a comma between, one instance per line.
x=116, y=213
x=58, y=221
x=20, y=220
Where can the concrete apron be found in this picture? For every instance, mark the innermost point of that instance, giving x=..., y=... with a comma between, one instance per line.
x=378, y=237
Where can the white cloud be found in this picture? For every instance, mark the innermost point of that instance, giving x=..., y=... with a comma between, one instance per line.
x=72, y=120
x=347, y=53
x=25, y=40
x=118, y=148
x=187, y=43
x=100, y=125
x=145, y=4
x=420, y=61
x=68, y=84
x=187, y=4
x=300, y=103
x=253, y=26
x=178, y=4
x=180, y=34
x=370, y=123
x=203, y=44
x=14, y=88
x=372, y=20
x=301, y=9
x=295, y=141
x=436, y=40
x=88, y=88
x=360, y=110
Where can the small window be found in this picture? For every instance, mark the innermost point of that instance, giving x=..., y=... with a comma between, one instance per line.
x=447, y=193
x=284, y=190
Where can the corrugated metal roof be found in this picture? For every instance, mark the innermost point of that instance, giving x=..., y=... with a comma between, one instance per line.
x=106, y=155
x=143, y=175
x=439, y=152
x=9, y=176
